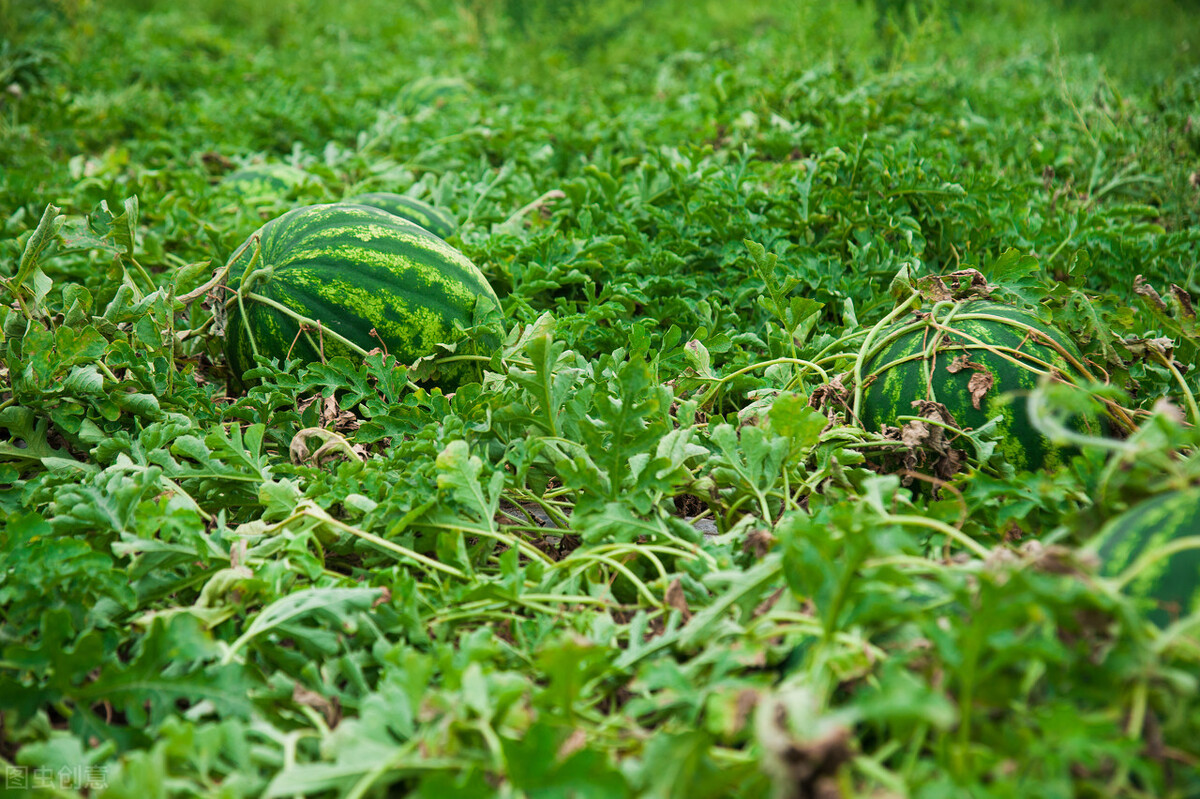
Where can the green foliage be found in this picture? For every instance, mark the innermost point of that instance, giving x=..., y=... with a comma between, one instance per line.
x=650, y=551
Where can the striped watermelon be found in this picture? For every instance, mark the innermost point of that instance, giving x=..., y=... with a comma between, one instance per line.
x=264, y=181
x=1170, y=583
x=435, y=220
x=895, y=374
x=354, y=268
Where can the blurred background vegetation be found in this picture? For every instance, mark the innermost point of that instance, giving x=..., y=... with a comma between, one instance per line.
x=115, y=90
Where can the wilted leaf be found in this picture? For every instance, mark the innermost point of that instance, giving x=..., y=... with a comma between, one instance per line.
x=979, y=385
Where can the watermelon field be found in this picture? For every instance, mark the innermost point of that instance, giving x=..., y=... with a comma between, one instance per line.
x=590, y=399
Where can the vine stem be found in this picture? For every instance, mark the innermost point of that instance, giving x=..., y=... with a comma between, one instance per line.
x=865, y=350
x=548, y=507
x=385, y=544
x=719, y=381
x=141, y=271
x=545, y=199
x=1037, y=335
x=217, y=277
x=184, y=335
x=642, y=588
x=649, y=555
x=929, y=359
x=103, y=368
x=1193, y=409
x=484, y=359
x=941, y=527
x=1137, y=710
x=305, y=320
x=16, y=294
x=525, y=548
x=1056, y=431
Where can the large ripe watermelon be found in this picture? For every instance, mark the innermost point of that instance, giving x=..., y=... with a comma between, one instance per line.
x=435, y=220
x=1171, y=583
x=921, y=364
x=354, y=268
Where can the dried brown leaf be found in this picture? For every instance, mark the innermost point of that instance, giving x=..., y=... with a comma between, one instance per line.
x=332, y=415
x=1140, y=286
x=934, y=289
x=1170, y=410
x=1052, y=559
x=1185, y=301
x=329, y=708
x=768, y=603
x=963, y=284
x=747, y=701
x=811, y=767
x=217, y=161
x=960, y=362
x=977, y=283
x=929, y=441
x=575, y=741
x=332, y=444
x=329, y=411
x=914, y=434
x=1163, y=344
x=891, y=433
x=677, y=600
x=949, y=464
x=298, y=449
x=979, y=385
x=758, y=541
x=833, y=392
x=1155, y=349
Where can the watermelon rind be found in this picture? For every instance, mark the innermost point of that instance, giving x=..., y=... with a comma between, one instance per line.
x=909, y=361
x=436, y=220
x=264, y=181
x=353, y=269
x=1170, y=583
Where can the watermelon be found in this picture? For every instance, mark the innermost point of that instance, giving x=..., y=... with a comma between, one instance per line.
x=264, y=181
x=354, y=268
x=435, y=220
x=1170, y=583
x=895, y=374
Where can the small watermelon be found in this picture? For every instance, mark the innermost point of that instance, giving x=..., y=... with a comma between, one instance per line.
x=1172, y=582
x=264, y=181
x=435, y=220
x=354, y=269
x=955, y=367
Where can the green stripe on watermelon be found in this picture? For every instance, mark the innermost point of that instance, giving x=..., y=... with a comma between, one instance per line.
x=910, y=362
x=435, y=220
x=1171, y=582
x=352, y=268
